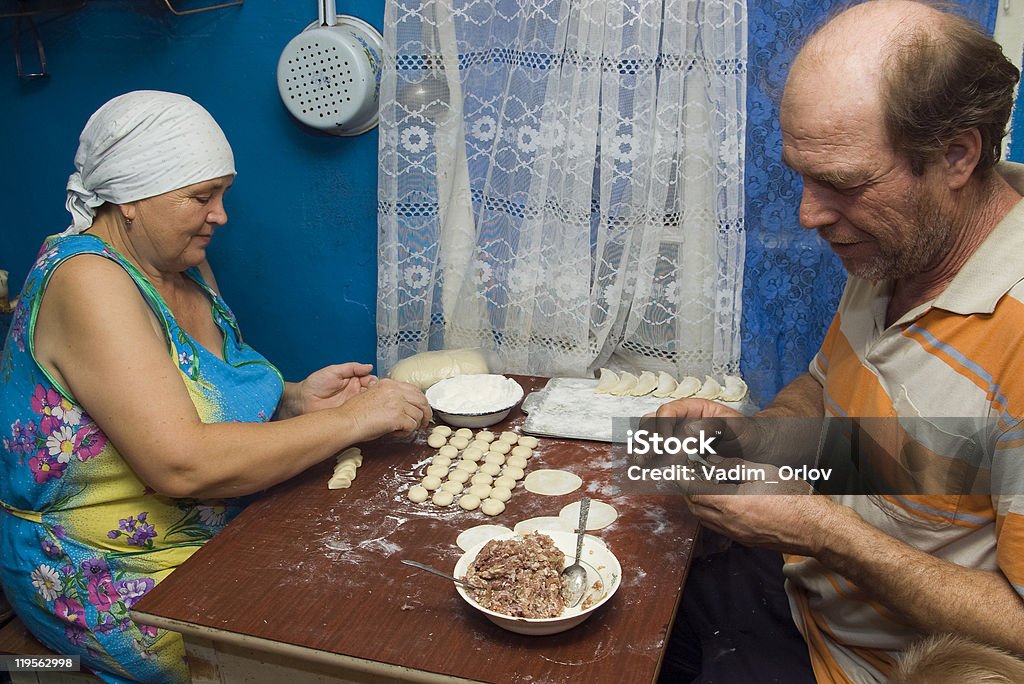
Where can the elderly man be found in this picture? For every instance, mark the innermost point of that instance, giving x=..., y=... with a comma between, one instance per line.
x=893, y=115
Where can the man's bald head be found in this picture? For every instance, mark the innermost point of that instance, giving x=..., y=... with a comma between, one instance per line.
x=930, y=76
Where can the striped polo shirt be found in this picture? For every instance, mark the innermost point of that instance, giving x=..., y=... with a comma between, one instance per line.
x=949, y=370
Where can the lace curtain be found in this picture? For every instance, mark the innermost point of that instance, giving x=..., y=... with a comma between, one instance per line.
x=562, y=181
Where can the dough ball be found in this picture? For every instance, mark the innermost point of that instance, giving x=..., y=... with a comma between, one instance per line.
x=482, y=478
x=431, y=482
x=459, y=442
x=499, y=448
x=492, y=506
x=520, y=450
x=490, y=468
x=515, y=462
x=458, y=476
x=513, y=472
x=452, y=486
x=509, y=437
x=469, y=502
x=465, y=433
x=485, y=436
x=472, y=453
x=491, y=457
x=442, y=430
x=502, y=494
x=528, y=441
x=506, y=482
x=426, y=368
x=438, y=470
x=479, y=444
x=448, y=451
x=442, y=498
x=480, y=491
x=436, y=441
x=468, y=466
x=441, y=461
x=418, y=494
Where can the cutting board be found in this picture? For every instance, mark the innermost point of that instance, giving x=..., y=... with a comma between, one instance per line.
x=569, y=407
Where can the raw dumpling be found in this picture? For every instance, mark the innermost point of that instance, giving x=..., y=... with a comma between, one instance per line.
x=627, y=381
x=666, y=385
x=644, y=384
x=607, y=381
x=734, y=389
x=710, y=389
x=687, y=387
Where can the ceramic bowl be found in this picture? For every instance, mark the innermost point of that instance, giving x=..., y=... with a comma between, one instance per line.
x=604, y=575
x=468, y=385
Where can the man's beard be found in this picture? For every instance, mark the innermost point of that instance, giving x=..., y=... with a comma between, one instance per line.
x=929, y=239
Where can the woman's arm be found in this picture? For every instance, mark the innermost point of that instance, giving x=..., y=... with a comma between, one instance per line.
x=102, y=342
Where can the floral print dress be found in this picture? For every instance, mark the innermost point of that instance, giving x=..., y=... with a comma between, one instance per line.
x=82, y=539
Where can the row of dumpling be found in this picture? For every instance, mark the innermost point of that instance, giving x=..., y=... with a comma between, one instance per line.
x=625, y=384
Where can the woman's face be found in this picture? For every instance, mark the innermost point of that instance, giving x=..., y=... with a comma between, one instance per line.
x=172, y=230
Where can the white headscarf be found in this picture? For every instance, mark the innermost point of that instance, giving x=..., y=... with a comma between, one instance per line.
x=142, y=144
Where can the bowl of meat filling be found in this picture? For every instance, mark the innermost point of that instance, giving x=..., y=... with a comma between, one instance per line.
x=517, y=580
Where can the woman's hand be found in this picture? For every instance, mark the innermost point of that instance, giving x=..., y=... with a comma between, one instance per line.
x=329, y=387
x=387, y=407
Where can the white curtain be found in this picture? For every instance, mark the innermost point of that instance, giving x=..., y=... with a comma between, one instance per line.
x=561, y=182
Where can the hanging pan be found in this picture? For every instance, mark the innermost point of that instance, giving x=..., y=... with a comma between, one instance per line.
x=329, y=75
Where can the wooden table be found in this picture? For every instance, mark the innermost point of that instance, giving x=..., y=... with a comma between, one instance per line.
x=306, y=584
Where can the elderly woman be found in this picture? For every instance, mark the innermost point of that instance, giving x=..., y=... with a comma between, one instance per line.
x=132, y=413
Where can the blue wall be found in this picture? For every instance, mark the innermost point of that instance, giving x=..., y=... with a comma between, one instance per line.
x=297, y=260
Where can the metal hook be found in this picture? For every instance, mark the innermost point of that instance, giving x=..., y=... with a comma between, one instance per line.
x=181, y=13
x=40, y=52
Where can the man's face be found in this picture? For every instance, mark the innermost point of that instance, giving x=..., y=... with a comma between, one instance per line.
x=861, y=197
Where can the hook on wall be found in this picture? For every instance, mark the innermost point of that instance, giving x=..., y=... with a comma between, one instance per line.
x=181, y=13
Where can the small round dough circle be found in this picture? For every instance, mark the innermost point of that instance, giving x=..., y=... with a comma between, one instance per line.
x=472, y=454
x=438, y=470
x=499, y=448
x=485, y=436
x=543, y=522
x=467, y=465
x=479, y=534
x=469, y=502
x=516, y=462
x=490, y=468
x=509, y=437
x=451, y=486
x=443, y=498
x=513, y=472
x=459, y=442
x=480, y=491
x=440, y=461
x=431, y=482
x=436, y=440
x=479, y=444
x=458, y=476
x=528, y=441
x=552, y=482
x=520, y=450
x=601, y=515
x=448, y=451
x=465, y=433
x=492, y=506
x=418, y=494
x=482, y=478
x=505, y=481
x=493, y=457
x=442, y=430
x=501, y=493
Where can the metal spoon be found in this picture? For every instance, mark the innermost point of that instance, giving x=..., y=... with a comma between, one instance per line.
x=435, y=571
x=574, y=577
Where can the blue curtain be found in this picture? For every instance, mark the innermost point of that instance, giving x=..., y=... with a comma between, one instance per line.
x=791, y=281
